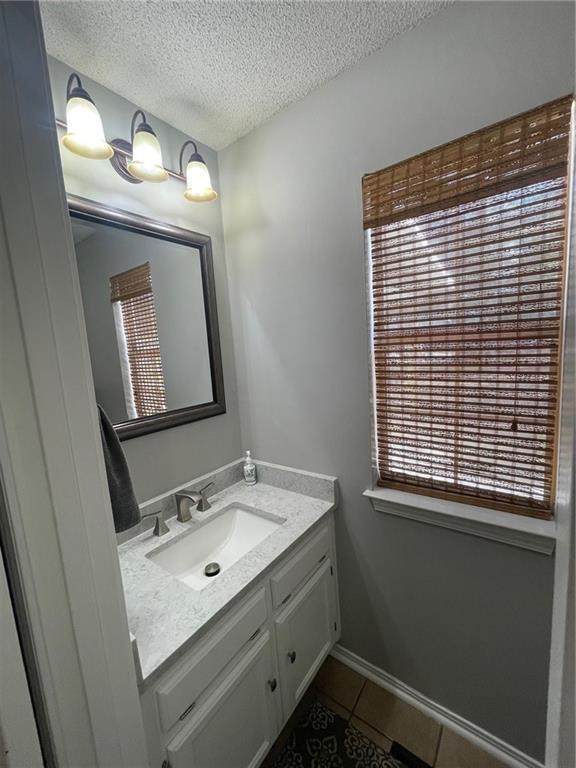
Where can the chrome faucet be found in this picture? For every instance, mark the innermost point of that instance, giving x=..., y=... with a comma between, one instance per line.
x=183, y=499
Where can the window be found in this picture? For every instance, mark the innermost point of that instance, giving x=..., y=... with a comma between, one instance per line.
x=467, y=250
x=136, y=328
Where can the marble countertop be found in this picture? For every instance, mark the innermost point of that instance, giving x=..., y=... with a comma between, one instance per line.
x=166, y=616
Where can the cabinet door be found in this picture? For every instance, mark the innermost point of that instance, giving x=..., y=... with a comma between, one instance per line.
x=236, y=725
x=305, y=633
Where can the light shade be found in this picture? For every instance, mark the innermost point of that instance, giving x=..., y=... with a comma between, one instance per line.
x=198, y=185
x=146, y=163
x=84, y=131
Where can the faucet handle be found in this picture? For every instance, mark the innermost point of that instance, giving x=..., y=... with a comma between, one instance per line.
x=160, y=527
x=203, y=504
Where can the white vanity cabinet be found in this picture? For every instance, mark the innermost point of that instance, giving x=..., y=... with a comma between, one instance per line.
x=305, y=632
x=224, y=703
x=237, y=724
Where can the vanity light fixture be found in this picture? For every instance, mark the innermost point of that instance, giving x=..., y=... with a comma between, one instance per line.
x=198, y=185
x=146, y=163
x=137, y=160
x=84, y=132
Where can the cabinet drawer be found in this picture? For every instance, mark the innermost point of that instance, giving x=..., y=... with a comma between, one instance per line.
x=299, y=567
x=178, y=694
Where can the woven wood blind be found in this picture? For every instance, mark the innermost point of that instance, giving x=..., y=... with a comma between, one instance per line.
x=467, y=247
x=133, y=290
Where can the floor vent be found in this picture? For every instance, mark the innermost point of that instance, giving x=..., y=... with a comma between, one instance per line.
x=406, y=757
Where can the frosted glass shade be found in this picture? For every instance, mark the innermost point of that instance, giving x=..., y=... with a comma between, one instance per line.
x=198, y=184
x=146, y=163
x=84, y=130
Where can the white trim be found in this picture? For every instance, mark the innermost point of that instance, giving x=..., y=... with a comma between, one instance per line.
x=19, y=743
x=124, y=360
x=516, y=530
x=473, y=733
x=560, y=727
x=371, y=354
x=50, y=446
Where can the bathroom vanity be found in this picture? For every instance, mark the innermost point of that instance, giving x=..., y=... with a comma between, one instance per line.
x=223, y=660
x=233, y=610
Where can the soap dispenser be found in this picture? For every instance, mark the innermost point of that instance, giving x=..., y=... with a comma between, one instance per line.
x=249, y=470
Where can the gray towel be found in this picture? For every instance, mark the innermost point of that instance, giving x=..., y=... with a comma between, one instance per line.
x=124, y=505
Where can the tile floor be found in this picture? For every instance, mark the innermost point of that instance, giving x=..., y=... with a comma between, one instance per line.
x=383, y=718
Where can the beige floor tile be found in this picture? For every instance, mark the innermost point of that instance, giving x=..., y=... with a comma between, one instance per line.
x=378, y=738
x=457, y=752
x=399, y=721
x=339, y=682
x=338, y=709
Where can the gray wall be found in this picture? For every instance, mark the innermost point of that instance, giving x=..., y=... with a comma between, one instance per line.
x=165, y=459
x=179, y=304
x=464, y=620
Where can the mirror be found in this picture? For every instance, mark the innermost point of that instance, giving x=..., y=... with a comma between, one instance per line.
x=151, y=318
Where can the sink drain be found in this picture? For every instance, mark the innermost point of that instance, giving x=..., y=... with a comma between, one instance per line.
x=212, y=569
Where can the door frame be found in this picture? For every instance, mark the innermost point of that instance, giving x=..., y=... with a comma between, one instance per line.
x=50, y=450
x=19, y=720
x=560, y=736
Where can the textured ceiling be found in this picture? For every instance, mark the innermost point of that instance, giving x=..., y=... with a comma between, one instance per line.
x=216, y=69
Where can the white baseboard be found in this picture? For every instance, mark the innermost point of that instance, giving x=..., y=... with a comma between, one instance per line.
x=486, y=741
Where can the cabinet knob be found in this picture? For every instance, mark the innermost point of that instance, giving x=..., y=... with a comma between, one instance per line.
x=292, y=656
x=273, y=684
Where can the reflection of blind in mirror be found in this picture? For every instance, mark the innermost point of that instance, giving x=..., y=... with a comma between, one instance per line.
x=137, y=332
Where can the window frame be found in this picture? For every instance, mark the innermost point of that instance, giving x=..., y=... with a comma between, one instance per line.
x=134, y=392
x=443, y=508
x=124, y=361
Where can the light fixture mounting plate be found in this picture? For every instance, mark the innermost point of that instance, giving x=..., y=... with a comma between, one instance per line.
x=119, y=160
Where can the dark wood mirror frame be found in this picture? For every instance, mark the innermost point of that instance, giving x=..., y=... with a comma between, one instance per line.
x=88, y=210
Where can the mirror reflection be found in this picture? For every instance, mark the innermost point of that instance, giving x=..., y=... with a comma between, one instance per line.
x=146, y=321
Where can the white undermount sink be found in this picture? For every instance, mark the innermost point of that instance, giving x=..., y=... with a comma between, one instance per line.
x=223, y=539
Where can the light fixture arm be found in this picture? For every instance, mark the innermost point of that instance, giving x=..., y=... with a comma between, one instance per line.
x=193, y=143
x=71, y=79
x=76, y=90
x=133, y=126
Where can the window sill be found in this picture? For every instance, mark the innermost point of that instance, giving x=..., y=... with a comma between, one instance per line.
x=518, y=531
